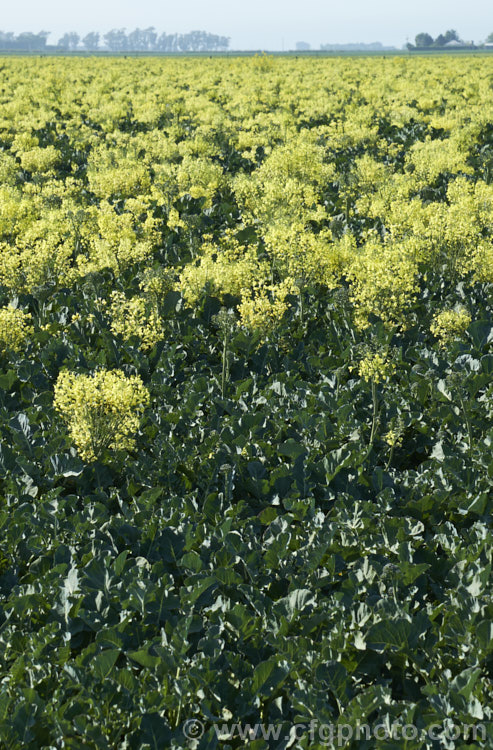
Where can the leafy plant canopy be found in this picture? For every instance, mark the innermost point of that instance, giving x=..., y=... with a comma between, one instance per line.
x=246, y=398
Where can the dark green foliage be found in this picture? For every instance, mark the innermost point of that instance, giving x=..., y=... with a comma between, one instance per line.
x=258, y=558
x=252, y=556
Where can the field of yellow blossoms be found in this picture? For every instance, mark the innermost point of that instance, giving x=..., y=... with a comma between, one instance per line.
x=246, y=401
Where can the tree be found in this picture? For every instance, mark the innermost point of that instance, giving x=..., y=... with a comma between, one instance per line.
x=91, y=40
x=70, y=41
x=423, y=40
x=451, y=36
x=149, y=38
x=7, y=39
x=442, y=39
x=165, y=42
x=116, y=40
x=42, y=37
x=24, y=41
x=29, y=41
x=135, y=40
x=489, y=39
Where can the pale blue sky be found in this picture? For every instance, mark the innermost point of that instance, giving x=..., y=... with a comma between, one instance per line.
x=258, y=24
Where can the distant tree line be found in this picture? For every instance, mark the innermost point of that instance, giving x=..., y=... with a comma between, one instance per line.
x=117, y=40
x=25, y=41
x=426, y=40
x=450, y=39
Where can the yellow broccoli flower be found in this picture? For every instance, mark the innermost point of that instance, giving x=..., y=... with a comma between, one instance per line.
x=450, y=324
x=102, y=410
x=376, y=367
x=136, y=317
x=14, y=328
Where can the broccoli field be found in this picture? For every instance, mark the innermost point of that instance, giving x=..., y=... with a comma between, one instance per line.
x=246, y=401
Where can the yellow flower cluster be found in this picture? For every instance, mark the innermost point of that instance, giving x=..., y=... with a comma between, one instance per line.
x=264, y=311
x=450, y=324
x=226, y=268
x=288, y=185
x=292, y=144
x=393, y=438
x=156, y=282
x=102, y=410
x=455, y=233
x=298, y=253
x=426, y=160
x=125, y=181
x=40, y=159
x=383, y=282
x=15, y=328
x=232, y=268
x=136, y=317
x=199, y=177
x=36, y=240
x=118, y=241
x=376, y=367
